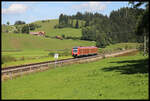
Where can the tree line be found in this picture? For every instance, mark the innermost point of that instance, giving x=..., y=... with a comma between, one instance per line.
x=119, y=27
x=22, y=27
x=142, y=25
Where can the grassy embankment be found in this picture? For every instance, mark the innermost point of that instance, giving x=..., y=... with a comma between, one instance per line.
x=123, y=77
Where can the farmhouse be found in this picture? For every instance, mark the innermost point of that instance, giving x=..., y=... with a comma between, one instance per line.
x=40, y=33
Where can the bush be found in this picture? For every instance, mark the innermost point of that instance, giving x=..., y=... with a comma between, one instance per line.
x=7, y=59
x=126, y=46
x=51, y=54
x=63, y=36
x=25, y=29
x=22, y=58
x=73, y=38
x=66, y=53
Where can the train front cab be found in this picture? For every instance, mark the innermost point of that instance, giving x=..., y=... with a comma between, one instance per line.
x=75, y=52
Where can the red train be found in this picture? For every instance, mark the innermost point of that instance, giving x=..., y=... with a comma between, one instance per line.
x=84, y=51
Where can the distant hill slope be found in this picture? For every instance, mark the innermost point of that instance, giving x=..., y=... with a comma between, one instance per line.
x=31, y=42
x=48, y=27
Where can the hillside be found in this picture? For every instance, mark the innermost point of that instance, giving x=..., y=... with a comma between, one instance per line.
x=25, y=48
x=19, y=48
x=48, y=27
x=30, y=42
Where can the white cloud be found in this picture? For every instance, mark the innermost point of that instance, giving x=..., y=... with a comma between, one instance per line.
x=91, y=6
x=14, y=8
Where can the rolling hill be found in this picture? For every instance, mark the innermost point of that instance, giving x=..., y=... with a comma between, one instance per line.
x=29, y=42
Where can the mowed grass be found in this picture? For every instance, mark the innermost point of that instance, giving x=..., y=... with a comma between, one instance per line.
x=123, y=77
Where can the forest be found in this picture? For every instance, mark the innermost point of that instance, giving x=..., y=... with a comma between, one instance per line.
x=119, y=26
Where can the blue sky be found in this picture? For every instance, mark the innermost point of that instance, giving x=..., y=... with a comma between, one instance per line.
x=33, y=11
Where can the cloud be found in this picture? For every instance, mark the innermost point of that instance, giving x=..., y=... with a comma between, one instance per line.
x=91, y=6
x=14, y=8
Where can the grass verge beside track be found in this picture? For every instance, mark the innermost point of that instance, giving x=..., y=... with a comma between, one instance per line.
x=123, y=77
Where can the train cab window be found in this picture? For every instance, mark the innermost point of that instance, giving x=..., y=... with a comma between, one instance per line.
x=75, y=50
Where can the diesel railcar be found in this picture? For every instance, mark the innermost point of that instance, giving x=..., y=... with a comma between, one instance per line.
x=84, y=51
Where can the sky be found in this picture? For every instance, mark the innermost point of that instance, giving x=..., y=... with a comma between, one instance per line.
x=33, y=11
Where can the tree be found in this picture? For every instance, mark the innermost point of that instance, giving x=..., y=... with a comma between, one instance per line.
x=33, y=26
x=8, y=22
x=72, y=23
x=142, y=26
x=143, y=18
x=19, y=22
x=25, y=29
x=87, y=23
x=79, y=15
x=77, y=24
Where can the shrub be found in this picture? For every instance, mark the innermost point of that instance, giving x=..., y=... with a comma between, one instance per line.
x=7, y=58
x=66, y=53
x=22, y=58
x=51, y=54
x=25, y=29
x=126, y=46
x=63, y=36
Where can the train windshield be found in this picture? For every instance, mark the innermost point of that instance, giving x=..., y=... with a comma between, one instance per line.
x=75, y=50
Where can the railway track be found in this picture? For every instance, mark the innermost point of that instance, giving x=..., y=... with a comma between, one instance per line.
x=49, y=64
x=41, y=64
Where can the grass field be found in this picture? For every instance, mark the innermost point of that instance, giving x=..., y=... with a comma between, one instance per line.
x=32, y=60
x=30, y=42
x=31, y=47
x=48, y=27
x=119, y=46
x=123, y=77
x=39, y=55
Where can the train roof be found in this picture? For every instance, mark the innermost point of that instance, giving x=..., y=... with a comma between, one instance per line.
x=86, y=47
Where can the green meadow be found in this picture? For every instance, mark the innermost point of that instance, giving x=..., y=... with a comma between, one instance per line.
x=31, y=42
x=32, y=47
x=123, y=77
x=48, y=27
x=25, y=48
